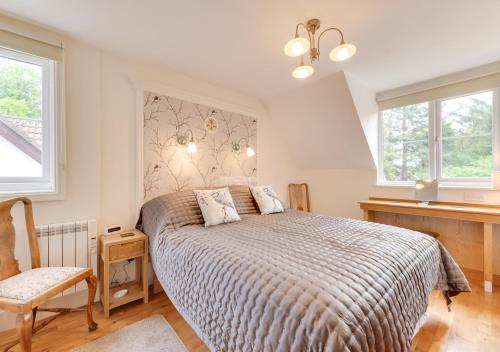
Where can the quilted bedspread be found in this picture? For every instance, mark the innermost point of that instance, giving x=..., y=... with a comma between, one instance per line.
x=301, y=282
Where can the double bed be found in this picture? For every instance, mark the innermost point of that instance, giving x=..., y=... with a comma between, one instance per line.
x=295, y=281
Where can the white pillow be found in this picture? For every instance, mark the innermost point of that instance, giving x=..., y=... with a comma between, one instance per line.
x=267, y=200
x=216, y=206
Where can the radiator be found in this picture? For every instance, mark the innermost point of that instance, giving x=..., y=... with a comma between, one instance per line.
x=69, y=244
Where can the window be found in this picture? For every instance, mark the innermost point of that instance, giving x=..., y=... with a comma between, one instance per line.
x=451, y=140
x=27, y=124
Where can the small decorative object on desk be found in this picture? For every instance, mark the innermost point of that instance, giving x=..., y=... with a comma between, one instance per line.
x=426, y=191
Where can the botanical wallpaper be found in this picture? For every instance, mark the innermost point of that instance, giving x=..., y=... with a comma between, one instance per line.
x=221, y=139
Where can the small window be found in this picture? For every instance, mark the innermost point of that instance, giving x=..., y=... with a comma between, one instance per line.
x=451, y=140
x=27, y=123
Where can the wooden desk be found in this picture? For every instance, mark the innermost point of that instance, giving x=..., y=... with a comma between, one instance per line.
x=487, y=215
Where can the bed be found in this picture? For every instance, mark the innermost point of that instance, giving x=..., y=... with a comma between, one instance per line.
x=295, y=281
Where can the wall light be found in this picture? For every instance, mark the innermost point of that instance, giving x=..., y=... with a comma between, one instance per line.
x=249, y=150
x=299, y=46
x=187, y=139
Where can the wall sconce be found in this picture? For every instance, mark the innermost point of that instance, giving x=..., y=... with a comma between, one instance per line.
x=187, y=139
x=249, y=150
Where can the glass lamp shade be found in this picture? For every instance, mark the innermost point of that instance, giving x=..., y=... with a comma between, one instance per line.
x=191, y=147
x=297, y=46
x=303, y=71
x=342, y=52
x=250, y=152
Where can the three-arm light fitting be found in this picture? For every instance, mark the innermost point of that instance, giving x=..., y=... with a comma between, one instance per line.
x=298, y=46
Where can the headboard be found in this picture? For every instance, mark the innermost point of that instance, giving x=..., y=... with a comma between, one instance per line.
x=224, y=142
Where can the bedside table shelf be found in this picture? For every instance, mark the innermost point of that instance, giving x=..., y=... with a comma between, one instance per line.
x=113, y=249
x=135, y=291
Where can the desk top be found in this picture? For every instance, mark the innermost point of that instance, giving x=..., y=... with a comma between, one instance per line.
x=451, y=210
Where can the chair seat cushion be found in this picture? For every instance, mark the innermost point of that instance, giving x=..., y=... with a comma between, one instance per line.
x=31, y=283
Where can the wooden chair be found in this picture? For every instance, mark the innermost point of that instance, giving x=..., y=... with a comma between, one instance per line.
x=299, y=196
x=23, y=292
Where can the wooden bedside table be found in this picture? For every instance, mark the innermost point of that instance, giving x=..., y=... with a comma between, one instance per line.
x=113, y=249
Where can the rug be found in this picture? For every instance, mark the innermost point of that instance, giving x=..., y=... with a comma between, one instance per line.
x=149, y=335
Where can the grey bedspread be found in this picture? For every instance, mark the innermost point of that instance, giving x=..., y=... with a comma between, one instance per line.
x=300, y=282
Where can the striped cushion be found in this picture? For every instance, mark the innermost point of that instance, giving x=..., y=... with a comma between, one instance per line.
x=243, y=200
x=181, y=208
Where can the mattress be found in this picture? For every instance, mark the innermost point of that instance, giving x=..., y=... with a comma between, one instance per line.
x=297, y=281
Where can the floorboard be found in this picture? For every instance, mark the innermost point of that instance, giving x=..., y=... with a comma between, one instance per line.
x=472, y=325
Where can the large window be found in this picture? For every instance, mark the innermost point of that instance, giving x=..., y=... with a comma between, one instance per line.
x=451, y=140
x=27, y=123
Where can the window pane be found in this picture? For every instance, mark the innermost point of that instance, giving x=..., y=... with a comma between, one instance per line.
x=20, y=119
x=466, y=124
x=406, y=146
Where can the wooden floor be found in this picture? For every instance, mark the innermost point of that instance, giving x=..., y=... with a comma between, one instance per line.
x=473, y=324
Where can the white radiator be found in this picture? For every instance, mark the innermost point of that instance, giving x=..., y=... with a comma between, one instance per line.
x=69, y=244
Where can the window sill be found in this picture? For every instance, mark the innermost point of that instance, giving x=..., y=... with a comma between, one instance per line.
x=460, y=186
x=35, y=196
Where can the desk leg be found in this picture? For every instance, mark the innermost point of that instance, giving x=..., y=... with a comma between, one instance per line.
x=488, y=257
x=367, y=215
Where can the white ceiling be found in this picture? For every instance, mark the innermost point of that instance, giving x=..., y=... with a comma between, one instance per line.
x=238, y=44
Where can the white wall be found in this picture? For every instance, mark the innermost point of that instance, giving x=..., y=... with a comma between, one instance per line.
x=337, y=191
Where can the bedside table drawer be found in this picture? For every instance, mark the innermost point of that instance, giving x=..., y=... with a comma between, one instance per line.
x=126, y=250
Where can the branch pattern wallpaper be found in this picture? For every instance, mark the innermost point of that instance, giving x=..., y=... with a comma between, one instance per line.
x=221, y=139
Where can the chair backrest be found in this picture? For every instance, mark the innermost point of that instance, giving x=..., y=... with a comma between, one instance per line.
x=9, y=266
x=299, y=196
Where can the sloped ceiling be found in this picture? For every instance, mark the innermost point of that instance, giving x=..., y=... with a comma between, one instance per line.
x=320, y=124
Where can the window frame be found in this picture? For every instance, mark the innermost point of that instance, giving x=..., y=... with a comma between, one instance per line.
x=435, y=147
x=50, y=185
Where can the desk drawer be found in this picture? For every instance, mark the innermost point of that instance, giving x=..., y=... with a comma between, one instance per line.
x=126, y=250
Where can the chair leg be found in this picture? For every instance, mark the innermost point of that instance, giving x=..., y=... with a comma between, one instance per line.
x=34, y=311
x=24, y=326
x=92, y=286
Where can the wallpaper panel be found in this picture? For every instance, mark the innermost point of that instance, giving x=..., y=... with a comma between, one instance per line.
x=221, y=139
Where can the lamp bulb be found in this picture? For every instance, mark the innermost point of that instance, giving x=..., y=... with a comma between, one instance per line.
x=342, y=52
x=191, y=147
x=302, y=71
x=297, y=46
x=250, y=152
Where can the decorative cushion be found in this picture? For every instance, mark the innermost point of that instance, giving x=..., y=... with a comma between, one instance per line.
x=217, y=206
x=179, y=209
x=243, y=200
x=267, y=199
x=31, y=283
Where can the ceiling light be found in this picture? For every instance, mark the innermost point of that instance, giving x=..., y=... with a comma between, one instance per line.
x=299, y=46
x=342, y=52
x=303, y=71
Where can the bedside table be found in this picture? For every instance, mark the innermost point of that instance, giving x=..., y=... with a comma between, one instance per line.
x=115, y=248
